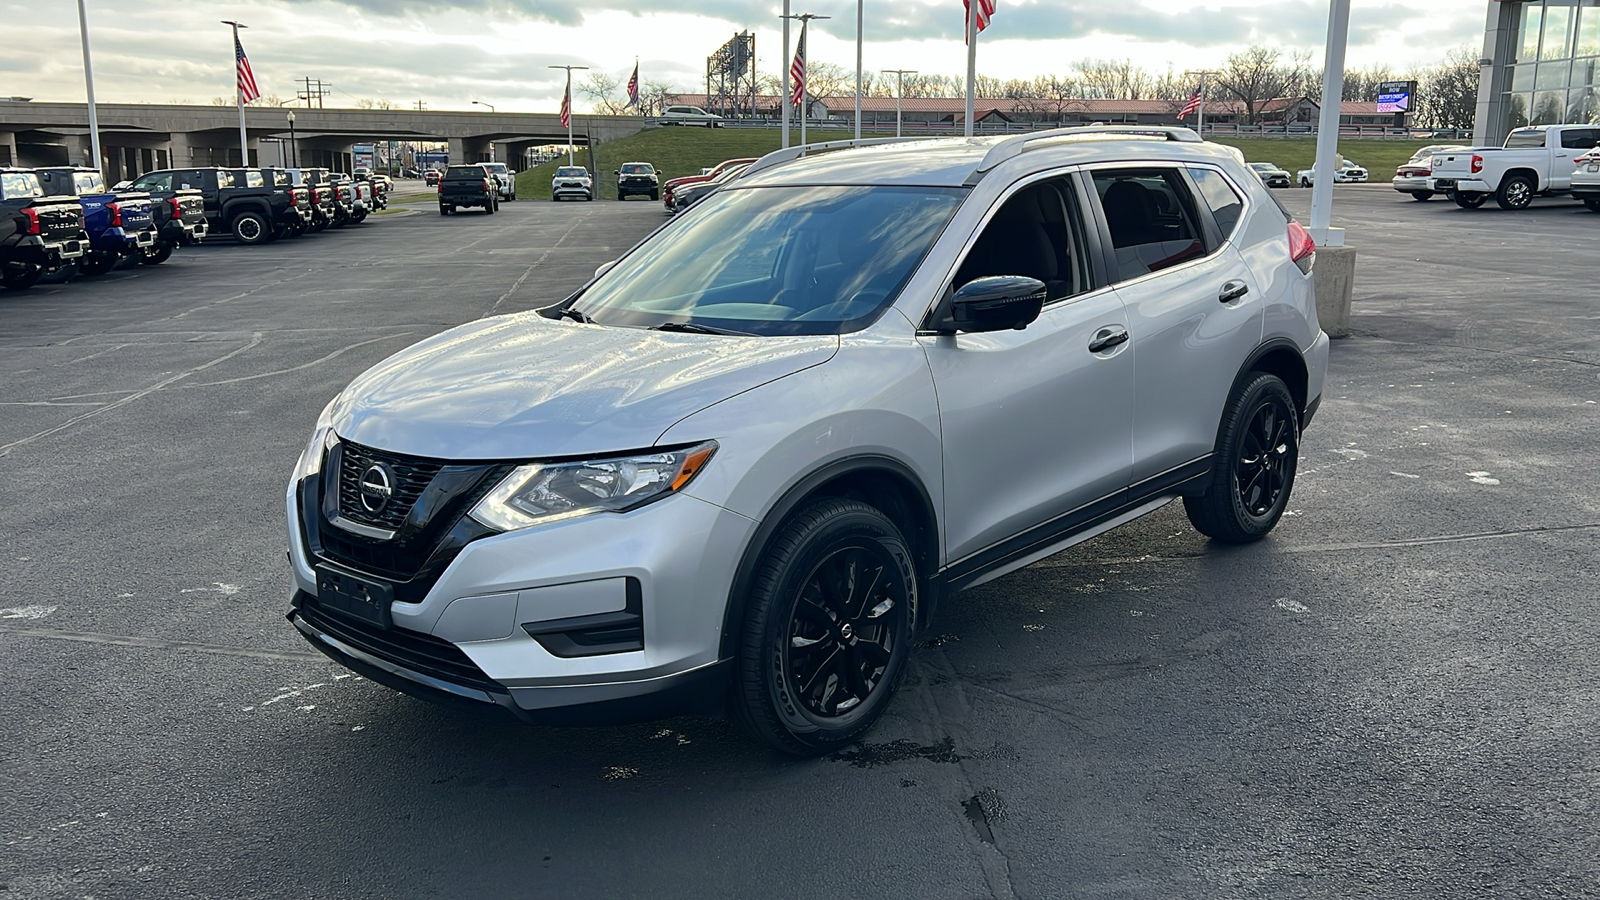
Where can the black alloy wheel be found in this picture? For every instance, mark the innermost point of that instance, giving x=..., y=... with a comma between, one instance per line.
x=251, y=228
x=20, y=279
x=1422, y=195
x=1470, y=200
x=827, y=632
x=96, y=263
x=1253, y=468
x=1515, y=192
x=157, y=255
x=1593, y=203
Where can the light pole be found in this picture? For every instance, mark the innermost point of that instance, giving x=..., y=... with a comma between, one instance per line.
x=805, y=68
x=899, y=91
x=783, y=101
x=294, y=152
x=491, y=143
x=88, y=81
x=568, y=103
x=1328, y=128
x=238, y=93
x=858, y=68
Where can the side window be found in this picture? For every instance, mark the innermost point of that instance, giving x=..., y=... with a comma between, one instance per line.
x=1226, y=205
x=1038, y=232
x=1580, y=138
x=1151, y=217
x=158, y=182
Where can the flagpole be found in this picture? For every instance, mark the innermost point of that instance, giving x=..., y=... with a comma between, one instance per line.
x=1200, y=123
x=783, y=100
x=88, y=82
x=805, y=69
x=859, y=4
x=569, y=107
x=972, y=58
x=238, y=95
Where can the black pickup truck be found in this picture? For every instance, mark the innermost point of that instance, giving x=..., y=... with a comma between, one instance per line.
x=120, y=224
x=252, y=214
x=326, y=210
x=468, y=186
x=301, y=196
x=38, y=234
x=179, y=215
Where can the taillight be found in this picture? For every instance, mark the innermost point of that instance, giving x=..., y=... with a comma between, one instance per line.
x=486, y=184
x=1477, y=164
x=177, y=208
x=440, y=183
x=294, y=199
x=116, y=214
x=32, y=227
x=1302, y=249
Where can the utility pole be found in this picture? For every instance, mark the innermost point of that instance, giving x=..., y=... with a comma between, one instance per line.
x=1200, y=122
x=805, y=68
x=88, y=81
x=783, y=100
x=421, y=106
x=569, y=110
x=858, y=68
x=899, y=91
x=491, y=143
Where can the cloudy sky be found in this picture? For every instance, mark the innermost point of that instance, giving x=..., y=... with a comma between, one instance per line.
x=450, y=52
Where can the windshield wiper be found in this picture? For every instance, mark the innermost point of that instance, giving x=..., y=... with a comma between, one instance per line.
x=575, y=314
x=697, y=328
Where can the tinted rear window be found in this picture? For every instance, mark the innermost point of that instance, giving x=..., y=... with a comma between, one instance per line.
x=19, y=184
x=1523, y=140
x=465, y=172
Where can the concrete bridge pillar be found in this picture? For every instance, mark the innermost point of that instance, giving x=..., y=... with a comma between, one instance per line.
x=468, y=150
x=8, y=148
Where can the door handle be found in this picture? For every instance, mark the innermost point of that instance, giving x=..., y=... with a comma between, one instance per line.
x=1106, y=338
x=1232, y=291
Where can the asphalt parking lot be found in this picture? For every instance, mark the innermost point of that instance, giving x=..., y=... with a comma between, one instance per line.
x=1392, y=696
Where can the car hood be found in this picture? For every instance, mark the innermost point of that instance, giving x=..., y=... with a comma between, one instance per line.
x=524, y=386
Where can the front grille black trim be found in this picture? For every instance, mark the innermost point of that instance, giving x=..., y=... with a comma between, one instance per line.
x=421, y=653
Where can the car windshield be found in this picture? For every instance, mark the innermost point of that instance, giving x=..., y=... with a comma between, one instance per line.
x=776, y=260
x=571, y=172
x=15, y=185
x=637, y=169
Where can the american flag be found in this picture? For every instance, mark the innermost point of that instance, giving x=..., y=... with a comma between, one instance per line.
x=797, y=71
x=985, y=10
x=247, y=79
x=1191, y=106
x=566, y=105
x=633, y=87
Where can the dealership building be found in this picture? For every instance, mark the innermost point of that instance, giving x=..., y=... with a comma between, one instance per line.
x=1541, y=66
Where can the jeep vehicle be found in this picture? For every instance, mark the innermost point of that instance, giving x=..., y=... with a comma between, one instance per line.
x=179, y=216
x=253, y=214
x=39, y=234
x=638, y=178
x=470, y=185
x=121, y=225
x=572, y=181
x=854, y=382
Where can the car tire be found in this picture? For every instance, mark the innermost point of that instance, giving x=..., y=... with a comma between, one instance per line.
x=489, y=208
x=443, y=211
x=20, y=279
x=96, y=263
x=250, y=228
x=1424, y=196
x=1515, y=192
x=1593, y=203
x=820, y=632
x=1470, y=200
x=655, y=196
x=157, y=255
x=1252, y=471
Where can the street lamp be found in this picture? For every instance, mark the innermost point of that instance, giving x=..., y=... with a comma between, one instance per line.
x=491, y=143
x=294, y=152
x=899, y=91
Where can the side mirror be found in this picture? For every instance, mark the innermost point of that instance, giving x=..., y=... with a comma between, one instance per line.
x=604, y=268
x=617, y=172
x=995, y=303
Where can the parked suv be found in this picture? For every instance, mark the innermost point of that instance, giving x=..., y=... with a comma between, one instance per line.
x=689, y=115
x=572, y=181
x=856, y=382
x=638, y=178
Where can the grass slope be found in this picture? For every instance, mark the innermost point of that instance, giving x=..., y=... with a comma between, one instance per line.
x=684, y=151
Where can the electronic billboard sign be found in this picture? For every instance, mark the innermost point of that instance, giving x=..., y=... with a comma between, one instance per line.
x=1395, y=96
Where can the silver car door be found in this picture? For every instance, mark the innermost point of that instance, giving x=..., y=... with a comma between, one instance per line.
x=1036, y=421
x=1194, y=310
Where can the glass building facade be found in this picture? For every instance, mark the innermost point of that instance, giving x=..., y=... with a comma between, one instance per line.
x=1543, y=66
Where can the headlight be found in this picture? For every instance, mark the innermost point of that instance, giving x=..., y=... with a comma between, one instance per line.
x=549, y=492
x=311, y=458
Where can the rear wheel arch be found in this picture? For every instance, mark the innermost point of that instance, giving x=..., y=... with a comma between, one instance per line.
x=879, y=481
x=1282, y=358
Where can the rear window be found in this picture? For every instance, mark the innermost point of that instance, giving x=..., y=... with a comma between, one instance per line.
x=1524, y=140
x=89, y=182
x=638, y=169
x=15, y=185
x=464, y=172
x=157, y=181
x=1151, y=218
x=1226, y=204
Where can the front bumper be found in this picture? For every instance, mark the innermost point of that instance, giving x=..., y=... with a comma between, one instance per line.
x=571, y=190
x=522, y=608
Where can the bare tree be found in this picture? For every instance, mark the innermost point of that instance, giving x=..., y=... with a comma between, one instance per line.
x=387, y=104
x=826, y=79
x=1050, y=97
x=653, y=97
x=366, y=103
x=1258, y=74
x=1113, y=79
x=604, y=90
x=1447, y=94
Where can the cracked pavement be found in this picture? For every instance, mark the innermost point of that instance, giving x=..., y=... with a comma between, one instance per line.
x=1392, y=696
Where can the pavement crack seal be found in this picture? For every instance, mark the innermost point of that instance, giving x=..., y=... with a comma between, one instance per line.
x=985, y=810
x=303, y=366
x=255, y=341
x=147, y=643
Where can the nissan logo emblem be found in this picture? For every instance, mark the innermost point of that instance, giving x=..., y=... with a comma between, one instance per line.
x=377, y=486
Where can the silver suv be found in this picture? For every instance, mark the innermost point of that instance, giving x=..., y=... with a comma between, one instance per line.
x=742, y=466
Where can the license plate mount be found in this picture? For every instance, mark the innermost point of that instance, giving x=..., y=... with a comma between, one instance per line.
x=354, y=596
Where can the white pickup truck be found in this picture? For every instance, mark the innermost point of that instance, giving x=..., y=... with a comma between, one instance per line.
x=1534, y=161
